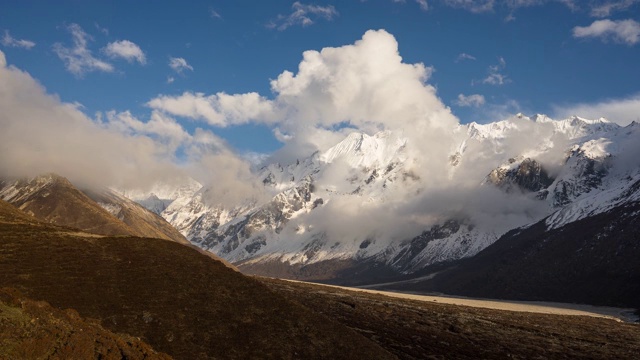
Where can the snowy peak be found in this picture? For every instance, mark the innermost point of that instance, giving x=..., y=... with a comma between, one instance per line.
x=163, y=190
x=362, y=150
x=574, y=127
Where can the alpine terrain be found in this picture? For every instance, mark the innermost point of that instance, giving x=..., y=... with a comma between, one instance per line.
x=365, y=210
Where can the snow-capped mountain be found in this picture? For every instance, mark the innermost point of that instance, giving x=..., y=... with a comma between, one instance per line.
x=525, y=169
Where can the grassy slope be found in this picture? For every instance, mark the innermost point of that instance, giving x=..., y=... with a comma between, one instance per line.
x=420, y=330
x=34, y=330
x=178, y=300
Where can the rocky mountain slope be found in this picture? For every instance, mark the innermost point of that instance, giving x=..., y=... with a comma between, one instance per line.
x=593, y=259
x=337, y=209
x=52, y=198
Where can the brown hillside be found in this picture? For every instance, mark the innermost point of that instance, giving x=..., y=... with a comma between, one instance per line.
x=412, y=329
x=141, y=221
x=35, y=330
x=9, y=214
x=176, y=299
x=54, y=199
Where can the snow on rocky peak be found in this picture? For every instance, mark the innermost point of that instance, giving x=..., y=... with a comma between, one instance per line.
x=362, y=150
x=162, y=194
x=283, y=229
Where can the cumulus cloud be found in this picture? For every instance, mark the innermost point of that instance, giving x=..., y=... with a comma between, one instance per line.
x=303, y=15
x=179, y=65
x=79, y=59
x=125, y=49
x=610, y=7
x=475, y=100
x=621, y=31
x=622, y=111
x=10, y=41
x=364, y=87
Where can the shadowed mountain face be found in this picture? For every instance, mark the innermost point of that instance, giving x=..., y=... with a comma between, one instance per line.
x=35, y=330
x=173, y=297
x=54, y=199
x=592, y=260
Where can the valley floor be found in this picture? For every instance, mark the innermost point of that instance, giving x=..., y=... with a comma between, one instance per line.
x=539, y=307
x=412, y=328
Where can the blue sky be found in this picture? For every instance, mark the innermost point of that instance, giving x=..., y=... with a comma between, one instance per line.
x=486, y=59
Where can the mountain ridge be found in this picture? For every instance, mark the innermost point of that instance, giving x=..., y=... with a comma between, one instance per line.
x=573, y=165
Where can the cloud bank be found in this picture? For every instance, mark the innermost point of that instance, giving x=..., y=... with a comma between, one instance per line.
x=364, y=87
x=39, y=134
x=622, y=111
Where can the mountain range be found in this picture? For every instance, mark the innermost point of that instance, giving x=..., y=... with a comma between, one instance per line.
x=363, y=210
x=526, y=208
x=371, y=209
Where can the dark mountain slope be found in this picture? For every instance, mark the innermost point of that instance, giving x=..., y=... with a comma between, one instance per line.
x=176, y=299
x=35, y=330
x=593, y=260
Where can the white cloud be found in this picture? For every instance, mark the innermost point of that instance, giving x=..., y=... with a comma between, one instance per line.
x=496, y=77
x=10, y=41
x=179, y=64
x=170, y=79
x=475, y=100
x=516, y=4
x=609, y=7
x=464, y=56
x=622, y=31
x=303, y=15
x=622, y=111
x=363, y=86
x=423, y=4
x=476, y=6
x=79, y=59
x=219, y=110
x=214, y=14
x=125, y=49
x=39, y=134
x=101, y=29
